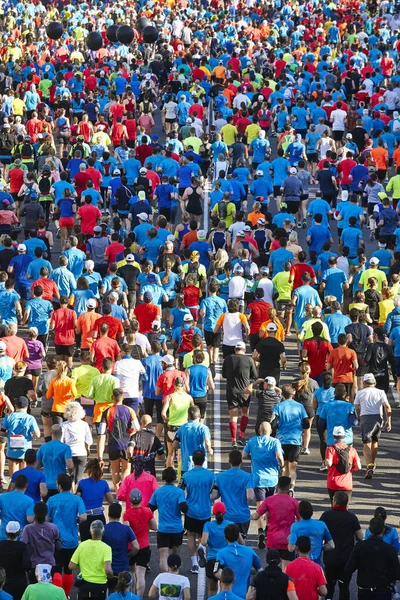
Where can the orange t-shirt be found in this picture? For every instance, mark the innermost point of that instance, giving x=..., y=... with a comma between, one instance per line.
x=280, y=332
x=341, y=360
x=254, y=216
x=62, y=391
x=86, y=323
x=380, y=157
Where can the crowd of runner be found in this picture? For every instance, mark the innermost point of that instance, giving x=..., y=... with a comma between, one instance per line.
x=171, y=215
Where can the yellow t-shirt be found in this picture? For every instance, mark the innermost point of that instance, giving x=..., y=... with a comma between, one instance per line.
x=18, y=106
x=228, y=133
x=91, y=556
x=379, y=275
x=252, y=132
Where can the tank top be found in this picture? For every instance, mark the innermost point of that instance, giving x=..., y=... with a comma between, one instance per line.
x=178, y=409
x=183, y=232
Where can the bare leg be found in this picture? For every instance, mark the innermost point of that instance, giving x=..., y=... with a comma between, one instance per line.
x=125, y=468
x=2, y=460
x=115, y=473
x=101, y=444
x=13, y=466
x=164, y=553
x=307, y=435
x=170, y=457
x=192, y=547
x=289, y=318
x=292, y=472
x=140, y=573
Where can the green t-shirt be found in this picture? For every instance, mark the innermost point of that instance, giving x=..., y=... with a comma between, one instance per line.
x=306, y=331
x=44, y=86
x=188, y=359
x=102, y=388
x=178, y=409
x=43, y=591
x=91, y=556
x=83, y=377
x=282, y=285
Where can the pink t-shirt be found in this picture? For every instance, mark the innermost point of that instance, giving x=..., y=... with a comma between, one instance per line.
x=283, y=510
x=307, y=577
x=146, y=483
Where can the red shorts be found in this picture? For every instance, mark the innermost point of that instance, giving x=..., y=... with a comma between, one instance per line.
x=67, y=221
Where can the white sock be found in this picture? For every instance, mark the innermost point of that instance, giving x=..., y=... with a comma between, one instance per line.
x=194, y=561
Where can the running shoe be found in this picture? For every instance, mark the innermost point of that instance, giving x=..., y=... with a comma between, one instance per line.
x=323, y=467
x=234, y=444
x=304, y=224
x=291, y=491
x=195, y=569
x=241, y=442
x=304, y=451
x=201, y=557
x=261, y=540
x=370, y=471
x=299, y=225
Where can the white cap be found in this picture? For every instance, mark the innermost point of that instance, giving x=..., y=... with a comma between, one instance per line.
x=143, y=171
x=89, y=265
x=374, y=260
x=167, y=359
x=293, y=170
x=130, y=258
x=369, y=378
x=116, y=172
x=261, y=221
x=395, y=114
x=345, y=195
x=91, y=303
x=21, y=248
x=188, y=317
x=240, y=346
x=247, y=228
x=3, y=346
x=156, y=325
x=143, y=216
x=270, y=381
x=349, y=136
x=201, y=234
x=259, y=172
x=271, y=327
x=13, y=527
x=338, y=431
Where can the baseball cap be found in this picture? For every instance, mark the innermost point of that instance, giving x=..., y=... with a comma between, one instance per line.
x=374, y=260
x=141, y=196
x=91, y=303
x=247, y=228
x=21, y=402
x=369, y=378
x=292, y=170
x=371, y=169
x=264, y=270
x=5, y=202
x=13, y=527
x=89, y=265
x=130, y=258
x=270, y=381
x=21, y=248
x=143, y=216
x=135, y=496
x=271, y=327
x=97, y=229
x=273, y=556
x=174, y=561
x=261, y=221
x=240, y=346
x=259, y=172
x=238, y=269
x=240, y=234
x=117, y=172
x=167, y=359
x=147, y=296
x=201, y=234
x=349, y=136
x=151, y=278
x=396, y=114
x=219, y=507
x=188, y=120
x=156, y=325
x=338, y=431
x=188, y=317
x=143, y=171
x=283, y=205
x=3, y=347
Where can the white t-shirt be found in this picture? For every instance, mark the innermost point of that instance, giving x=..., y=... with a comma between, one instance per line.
x=232, y=328
x=268, y=287
x=371, y=401
x=237, y=287
x=128, y=370
x=76, y=434
x=338, y=117
x=170, y=586
x=170, y=110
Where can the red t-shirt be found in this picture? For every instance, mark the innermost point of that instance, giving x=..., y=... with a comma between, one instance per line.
x=139, y=519
x=143, y=152
x=344, y=167
x=297, y=271
x=341, y=359
x=104, y=347
x=114, y=326
x=335, y=479
x=146, y=483
x=64, y=322
x=259, y=314
x=113, y=250
x=50, y=289
x=80, y=180
x=166, y=382
x=307, y=577
x=89, y=215
x=146, y=313
x=283, y=511
x=317, y=352
x=95, y=176
x=16, y=347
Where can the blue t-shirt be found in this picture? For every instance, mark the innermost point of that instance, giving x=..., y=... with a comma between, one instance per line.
x=198, y=380
x=337, y=413
x=167, y=500
x=179, y=314
x=216, y=537
x=92, y=492
x=126, y=596
x=8, y=311
x=198, y=483
x=214, y=307
x=264, y=464
x=63, y=511
x=323, y=396
x=118, y=536
x=35, y=478
x=318, y=533
x=278, y=258
x=351, y=237
x=20, y=265
x=14, y=506
x=39, y=314
x=395, y=337
x=334, y=279
x=19, y=423
x=191, y=436
x=76, y=261
x=35, y=266
x=53, y=456
x=280, y=167
x=318, y=236
x=305, y=294
x=319, y=206
x=232, y=485
x=336, y=323
x=348, y=210
x=241, y=559
x=290, y=425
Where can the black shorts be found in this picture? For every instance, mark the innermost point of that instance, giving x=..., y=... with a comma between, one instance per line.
x=293, y=206
x=285, y=306
x=291, y=452
x=285, y=555
x=312, y=157
x=371, y=428
x=170, y=120
x=116, y=454
x=210, y=569
x=142, y=558
x=195, y=525
x=63, y=558
x=169, y=540
x=3, y=439
x=35, y=372
x=212, y=339
x=277, y=190
x=65, y=350
x=244, y=528
x=309, y=410
x=202, y=404
x=131, y=297
x=236, y=400
x=165, y=212
x=260, y=493
x=168, y=304
x=149, y=405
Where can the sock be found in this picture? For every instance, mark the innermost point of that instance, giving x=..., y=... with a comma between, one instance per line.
x=57, y=580
x=47, y=439
x=67, y=583
x=194, y=561
x=243, y=424
x=233, y=430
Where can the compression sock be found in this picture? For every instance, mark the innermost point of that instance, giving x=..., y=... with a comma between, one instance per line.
x=233, y=430
x=243, y=425
x=67, y=583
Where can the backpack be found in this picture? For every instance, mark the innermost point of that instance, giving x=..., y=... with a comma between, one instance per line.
x=107, y=168
x=186, y=344
x=260, y=236
x=222, y=209
x=44, y=184
x=396, y=126
x=246, y=264
x=193, y=269
x=344, y=465
x=28, y=191
x=154, y=336
x=26, y=150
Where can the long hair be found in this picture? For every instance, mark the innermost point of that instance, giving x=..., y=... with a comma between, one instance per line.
x=61, y=370
x=302, y=384
x=93, y=469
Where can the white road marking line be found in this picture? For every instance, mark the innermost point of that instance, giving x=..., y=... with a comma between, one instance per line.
x=216, y=442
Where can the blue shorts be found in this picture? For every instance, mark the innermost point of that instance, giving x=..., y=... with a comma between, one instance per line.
x=133, y=403
x=397, y=365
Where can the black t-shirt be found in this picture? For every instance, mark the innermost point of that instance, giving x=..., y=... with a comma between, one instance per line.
x=342, y=525
x=129, y=274
x=174, y=258
x=358, y=134
x=5, y=258
x=360, y=334
x=271, y=584
x=18, y=386
x=238, y=370
x=266, y=402
x=270, y=351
